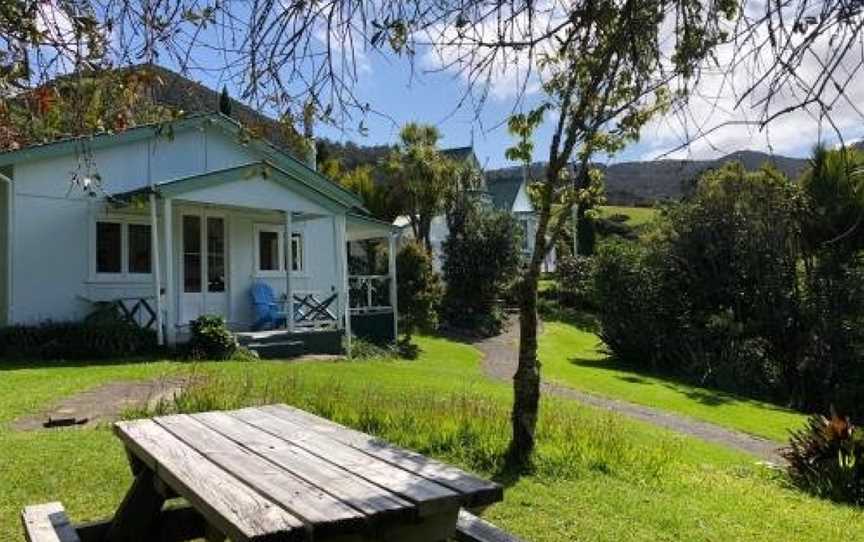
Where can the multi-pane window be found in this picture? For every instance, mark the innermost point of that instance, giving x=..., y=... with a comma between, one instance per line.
x=140, y=248
x=123, y=248
x=270, y=249
x=109, y=247
x=297, y=251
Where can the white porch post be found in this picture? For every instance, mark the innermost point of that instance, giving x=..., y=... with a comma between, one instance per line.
x=170, y=305
x=394, y=302
x=289, y=263
x=9, y=226
x=340, y=240
x=157, y=277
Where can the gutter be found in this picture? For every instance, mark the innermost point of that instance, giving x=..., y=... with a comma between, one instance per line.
x=10, y=240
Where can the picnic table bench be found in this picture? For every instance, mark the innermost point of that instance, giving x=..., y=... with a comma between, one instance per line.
x=277, y=473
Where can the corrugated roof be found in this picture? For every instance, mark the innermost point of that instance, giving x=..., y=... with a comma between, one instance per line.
x=265, y=147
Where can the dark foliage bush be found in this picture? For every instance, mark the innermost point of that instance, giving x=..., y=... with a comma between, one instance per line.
x=76, y=341
x=826, y=458
x=419, y=290
x=481, y=259
x=576, y=282
x=713, y=295
x=636, y=321
x=737, y=289
x=211, y=339
x=831, y=368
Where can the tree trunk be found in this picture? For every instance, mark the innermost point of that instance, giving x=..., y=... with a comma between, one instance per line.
x=585, y=232
x=526, y=381
x=425, y=233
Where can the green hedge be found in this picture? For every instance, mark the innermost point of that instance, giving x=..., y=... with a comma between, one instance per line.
x=75, y=341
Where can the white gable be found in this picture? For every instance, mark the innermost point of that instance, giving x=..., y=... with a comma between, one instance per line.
x=129, y=166
x=255, y=192
x=522, y=203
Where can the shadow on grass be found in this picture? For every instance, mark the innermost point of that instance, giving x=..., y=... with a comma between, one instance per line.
x=686, y=388
x=18, y=363
x=582, y=320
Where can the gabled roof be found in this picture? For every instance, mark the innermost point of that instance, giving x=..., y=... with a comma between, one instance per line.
x=504, y=189
x=269, y=152
x=264, y=169
x=458, y=153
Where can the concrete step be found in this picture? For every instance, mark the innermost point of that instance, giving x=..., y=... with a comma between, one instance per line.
x=278, y=350
x=264, y=337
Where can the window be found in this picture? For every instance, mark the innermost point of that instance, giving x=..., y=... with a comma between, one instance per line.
x=140, y=247
x=215, y=254
x=270, y=249
x=191, y=254
x=297, y=251
x=109, y=247
x=123, y=248
x=526, y=234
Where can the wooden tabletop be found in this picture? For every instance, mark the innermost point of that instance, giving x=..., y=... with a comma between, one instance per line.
x=279, y=473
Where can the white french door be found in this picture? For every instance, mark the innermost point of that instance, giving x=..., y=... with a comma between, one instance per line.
x=203, y=266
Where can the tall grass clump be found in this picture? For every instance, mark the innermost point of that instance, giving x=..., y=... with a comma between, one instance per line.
x=463, y=427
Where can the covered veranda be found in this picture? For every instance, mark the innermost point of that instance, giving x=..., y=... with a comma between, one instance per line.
x=257, y=224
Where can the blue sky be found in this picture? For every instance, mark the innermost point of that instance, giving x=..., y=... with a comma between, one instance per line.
x=388, y=85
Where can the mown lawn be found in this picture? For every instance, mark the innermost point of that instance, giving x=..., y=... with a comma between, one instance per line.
x=596, y=477
x=636, y=216
x=574, y=357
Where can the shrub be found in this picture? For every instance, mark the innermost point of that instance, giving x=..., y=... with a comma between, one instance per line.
x=211, y=339
x=482, y=255
x=826, y=458
x=713, y=294
x=631, y=311
x=830, y=372
x=363, y=350
x=76, y=341
x=576, y=282
x=419, y=289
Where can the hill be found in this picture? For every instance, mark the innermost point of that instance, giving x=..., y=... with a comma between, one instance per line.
x=645, y=182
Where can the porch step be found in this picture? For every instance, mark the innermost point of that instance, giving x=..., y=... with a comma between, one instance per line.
x=264, y=337
x=280, y=343
x=278, y=350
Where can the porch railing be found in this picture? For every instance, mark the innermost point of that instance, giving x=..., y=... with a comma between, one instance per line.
x=138, y=311
x=369, y=293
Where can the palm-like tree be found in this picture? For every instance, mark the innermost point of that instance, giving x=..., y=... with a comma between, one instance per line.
x=834, y=185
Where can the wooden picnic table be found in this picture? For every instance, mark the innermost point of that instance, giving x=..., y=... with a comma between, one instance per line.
x=279, y=473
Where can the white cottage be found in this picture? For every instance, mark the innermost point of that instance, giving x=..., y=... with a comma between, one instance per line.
x=180, y=220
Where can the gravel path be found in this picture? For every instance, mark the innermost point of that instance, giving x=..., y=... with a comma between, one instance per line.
x=500, y=355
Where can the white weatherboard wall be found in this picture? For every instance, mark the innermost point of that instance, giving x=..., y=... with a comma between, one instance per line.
x=54, y=253
x=4, y=267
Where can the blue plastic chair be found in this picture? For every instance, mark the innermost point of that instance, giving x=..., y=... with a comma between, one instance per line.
x=268, y=312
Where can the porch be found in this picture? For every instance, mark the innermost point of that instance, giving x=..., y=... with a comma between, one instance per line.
x=212, y=241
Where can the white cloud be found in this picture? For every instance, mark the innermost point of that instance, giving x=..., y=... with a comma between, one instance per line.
x=719, y=118
x=714, y=122
x=508, y=73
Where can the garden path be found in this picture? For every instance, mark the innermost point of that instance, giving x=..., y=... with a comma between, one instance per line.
x=500, y=357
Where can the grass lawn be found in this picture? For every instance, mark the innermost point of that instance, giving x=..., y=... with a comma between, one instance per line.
x=596, y=477
x=573, y=357
x=637, y=216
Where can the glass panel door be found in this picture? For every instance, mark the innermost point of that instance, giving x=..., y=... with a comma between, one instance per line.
x=192, y=254
x=215, y=254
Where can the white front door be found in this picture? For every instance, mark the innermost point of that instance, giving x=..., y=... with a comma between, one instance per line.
x=203, y=266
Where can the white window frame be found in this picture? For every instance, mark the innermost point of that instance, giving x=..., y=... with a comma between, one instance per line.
x=298, y=251
x=279, y=230
x=124, y=275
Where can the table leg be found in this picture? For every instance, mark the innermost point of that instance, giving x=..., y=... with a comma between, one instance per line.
x=139, y=512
